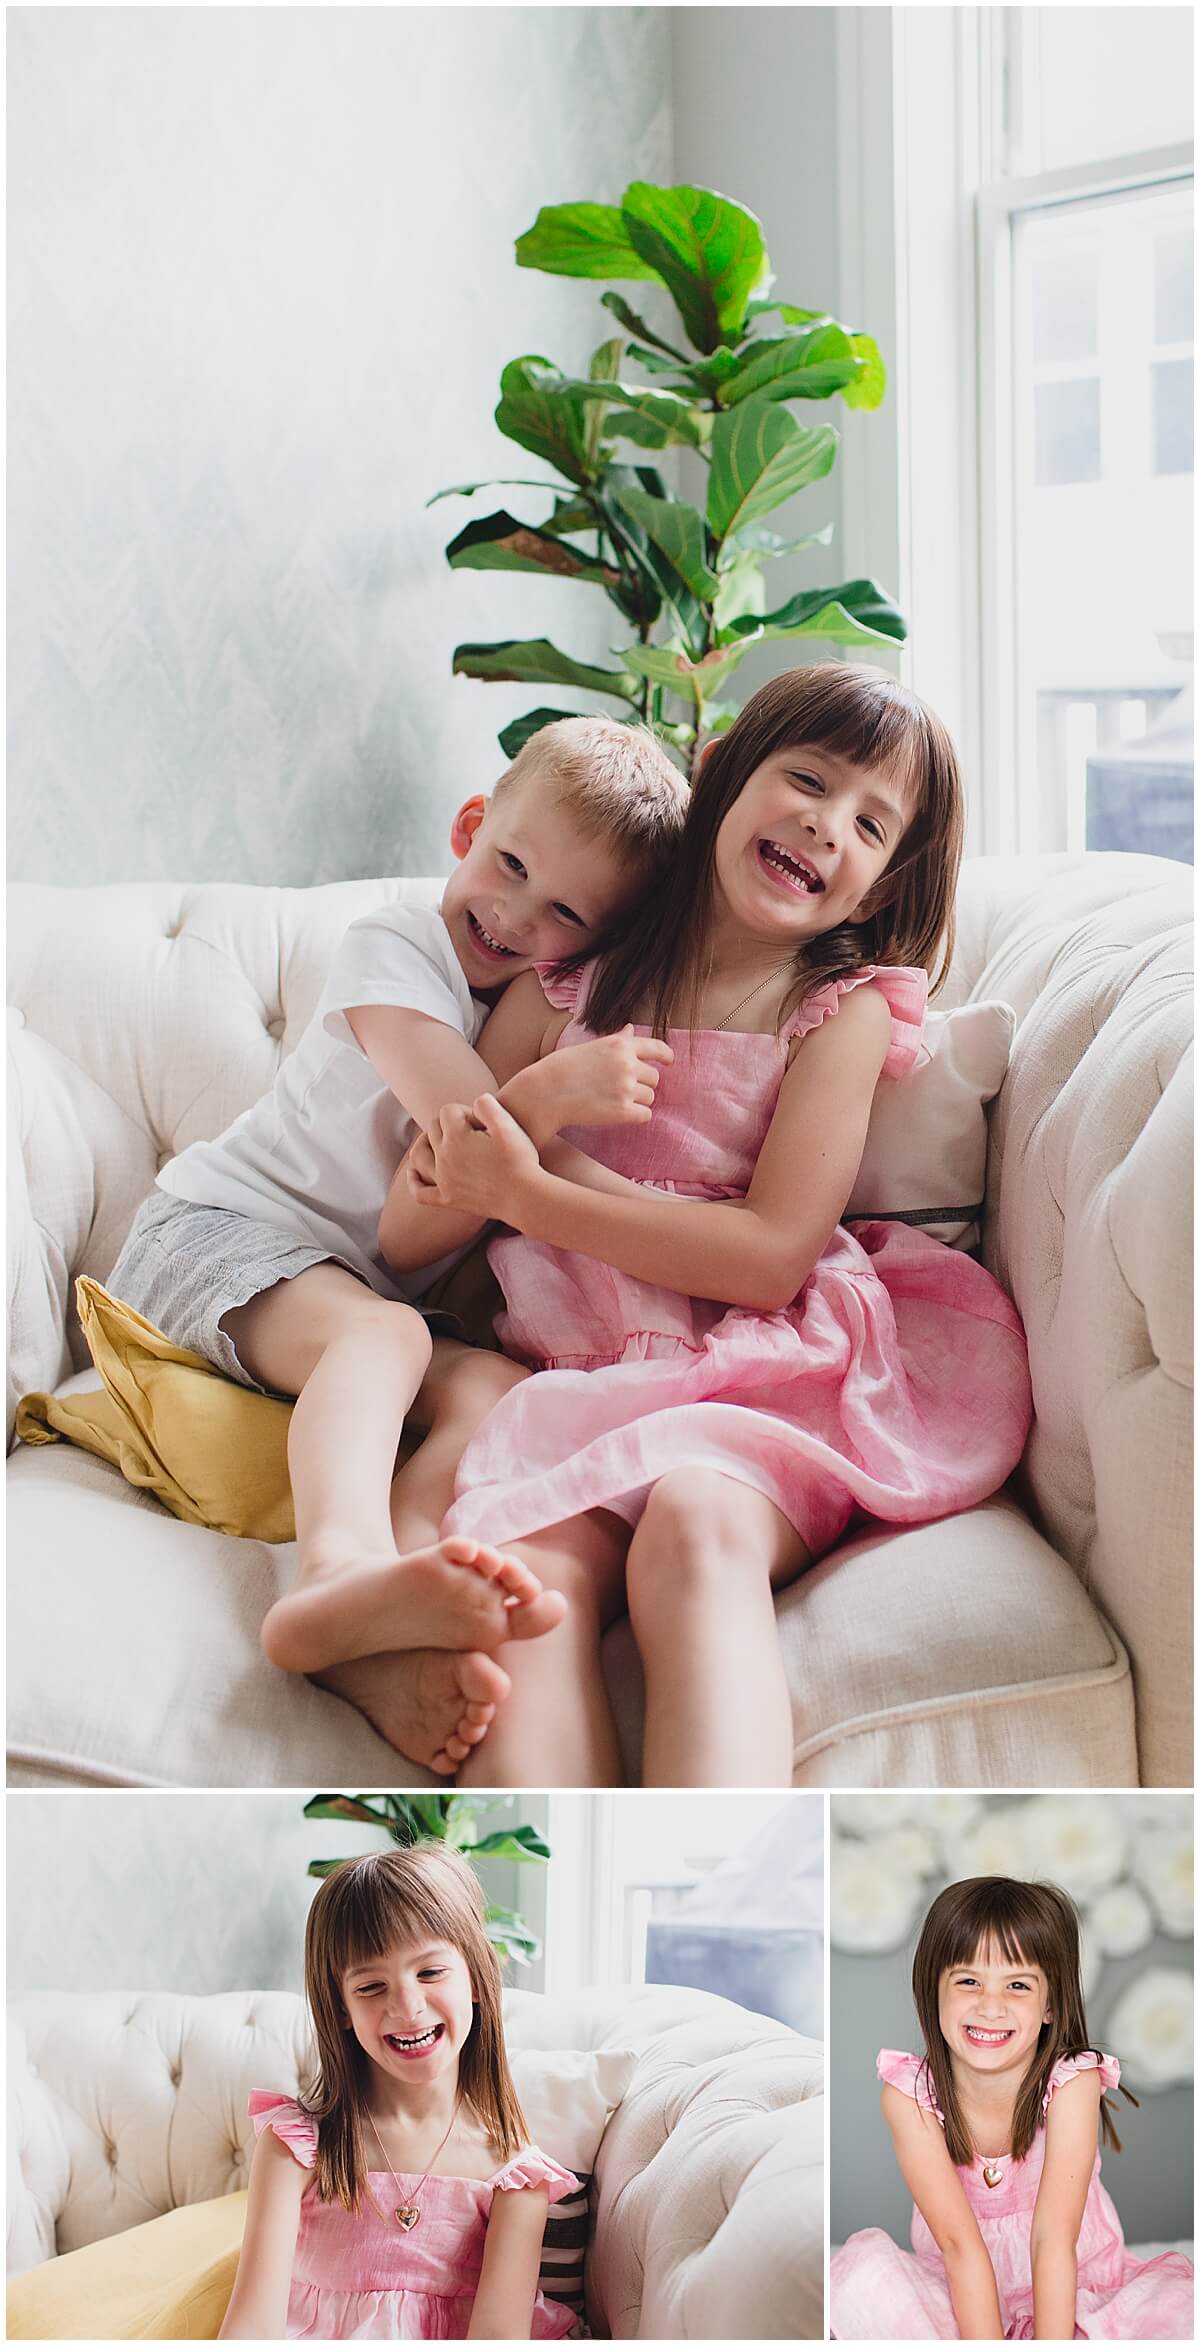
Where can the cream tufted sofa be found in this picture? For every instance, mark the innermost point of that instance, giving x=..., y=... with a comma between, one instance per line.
x=709, y=2215
x=1043, y=1639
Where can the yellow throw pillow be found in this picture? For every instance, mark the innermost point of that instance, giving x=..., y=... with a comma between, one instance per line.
x=168, y=2279
x=214, y=1452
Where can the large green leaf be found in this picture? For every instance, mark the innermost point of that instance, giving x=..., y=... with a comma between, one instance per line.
x=539, y=662
x=540, y=410
x=342, y=1805
x=671, y=417
x=523, y=1843
x=858, y=612
x=637, y=325
x=660, y=581
x=513, y=738
x=693, y=679
x=868, y=391
x=678, y=530
x=510, y=1935
x=810, y=365
x=741, y=592
x=760, y=457
x=708, y=251
x=581, y=240
x=501, y=543
x=318, y=1867
x=603, y=370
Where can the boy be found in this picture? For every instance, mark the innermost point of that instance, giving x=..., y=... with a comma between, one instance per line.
x=260, y=1249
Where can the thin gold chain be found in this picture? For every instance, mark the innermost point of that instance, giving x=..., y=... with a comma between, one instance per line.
x=760, y=988
x=410, y=2206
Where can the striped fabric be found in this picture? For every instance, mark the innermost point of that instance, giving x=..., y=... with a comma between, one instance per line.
x=563, y=2249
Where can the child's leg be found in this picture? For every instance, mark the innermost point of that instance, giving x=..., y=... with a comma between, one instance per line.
x=557, y=1727
x=355, y=1361
x=702, y=1566
x=418, y=1593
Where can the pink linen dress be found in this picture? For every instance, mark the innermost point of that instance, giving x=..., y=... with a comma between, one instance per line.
x=360, y=2276
x=896, y=1382
x=877, y=2290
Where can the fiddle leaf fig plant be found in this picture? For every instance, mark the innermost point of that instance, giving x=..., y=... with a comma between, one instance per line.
x=460, y=1819
x=687, y=577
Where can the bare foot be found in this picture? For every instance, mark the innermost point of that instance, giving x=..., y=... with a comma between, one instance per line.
x=431, y=1707
x=456, y=1595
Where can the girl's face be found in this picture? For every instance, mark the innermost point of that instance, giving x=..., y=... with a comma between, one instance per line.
x=411, y=2009
x=805, y=842
x=991, y=2013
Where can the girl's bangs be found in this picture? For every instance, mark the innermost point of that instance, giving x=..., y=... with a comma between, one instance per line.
x=999, y=1916
x=380, y=1913
x=874, y=731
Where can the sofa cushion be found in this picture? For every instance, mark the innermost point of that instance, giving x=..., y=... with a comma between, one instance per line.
x=960, y=1652
x=170, y=2278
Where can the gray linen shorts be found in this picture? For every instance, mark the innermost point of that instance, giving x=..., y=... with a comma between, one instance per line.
x=184, y=1266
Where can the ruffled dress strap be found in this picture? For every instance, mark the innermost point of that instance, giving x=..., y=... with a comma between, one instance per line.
x=1074, y=2064
x=566, y=991
x=906, y=992
x=530, y=2169
x=286, y=2119
x=910, y=2073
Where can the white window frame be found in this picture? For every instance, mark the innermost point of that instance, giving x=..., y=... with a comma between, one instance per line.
x=925, y=225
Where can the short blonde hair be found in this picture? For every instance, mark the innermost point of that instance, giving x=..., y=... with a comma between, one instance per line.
x=616, y=780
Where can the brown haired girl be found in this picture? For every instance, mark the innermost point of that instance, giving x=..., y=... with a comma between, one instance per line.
x=994, y=2131
x=810, y=900
x=404, y=2199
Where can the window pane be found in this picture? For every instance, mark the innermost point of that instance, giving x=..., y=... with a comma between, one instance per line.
x=1173, y=304
x=1171, y=383
x=1064, y=307
x=1067, y=423
x=1109, y=81
x=1103, y=533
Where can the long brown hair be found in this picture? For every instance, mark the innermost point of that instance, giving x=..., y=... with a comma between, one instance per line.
x=1032, y=1924
x=369, y=1906
x=863, y=715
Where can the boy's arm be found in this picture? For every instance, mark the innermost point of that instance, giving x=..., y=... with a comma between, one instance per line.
x=1062, y=2194
x=508, y=2280
x=608, y=1080
x=925, y=2164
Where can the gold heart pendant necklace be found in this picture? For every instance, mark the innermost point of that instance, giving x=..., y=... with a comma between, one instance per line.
x=992, y=2174
x=406, y=2212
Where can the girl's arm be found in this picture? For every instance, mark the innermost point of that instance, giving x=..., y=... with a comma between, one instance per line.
x=610, y=1080
x=925, y=2164
x=1062, y=2194
x=259, y=2304
x=756, y=1252
x=503, y=2305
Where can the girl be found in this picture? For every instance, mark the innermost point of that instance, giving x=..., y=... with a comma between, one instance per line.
x=405, y=2200
x=995, y=2135
x=821, y=1372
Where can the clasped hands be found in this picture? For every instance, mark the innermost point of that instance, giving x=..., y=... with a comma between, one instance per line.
x=481, y=1161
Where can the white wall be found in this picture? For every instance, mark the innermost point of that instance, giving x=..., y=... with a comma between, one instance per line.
x=193, y=1892
x=262, y=278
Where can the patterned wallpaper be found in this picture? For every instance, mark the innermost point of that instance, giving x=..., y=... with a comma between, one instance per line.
x=191, y=1892
x=262, y=287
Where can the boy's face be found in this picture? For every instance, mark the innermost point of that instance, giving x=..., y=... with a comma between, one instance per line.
x=529, y=886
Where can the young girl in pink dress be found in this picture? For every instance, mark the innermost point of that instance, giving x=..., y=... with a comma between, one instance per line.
x=404, y=2198
x=685, y=1458
x=994, y=2129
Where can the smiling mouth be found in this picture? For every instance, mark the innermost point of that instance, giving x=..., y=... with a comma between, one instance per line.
x=411, y=2047
x=489, y=946
x=790, y=868
x=988, y=2036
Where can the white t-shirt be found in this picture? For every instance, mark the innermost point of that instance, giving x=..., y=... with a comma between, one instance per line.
x=317, y=1154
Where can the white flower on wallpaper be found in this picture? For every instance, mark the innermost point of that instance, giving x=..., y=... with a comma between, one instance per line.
x=1119, y=1921
x=1150, y=2030
x=1164, y=1863
x=1078, y=1841
x=994, y=1844
x=907, y=1851
x=872, y=1905
x=869, y=1813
